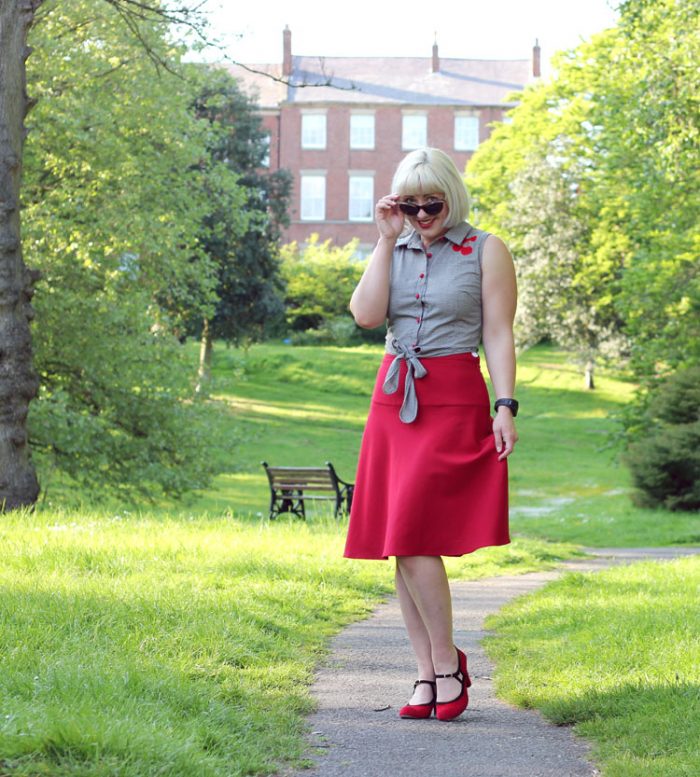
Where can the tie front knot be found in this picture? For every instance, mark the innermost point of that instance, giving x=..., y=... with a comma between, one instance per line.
x=414, y=369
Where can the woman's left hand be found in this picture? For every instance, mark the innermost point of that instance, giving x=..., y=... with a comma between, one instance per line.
x=504, y=433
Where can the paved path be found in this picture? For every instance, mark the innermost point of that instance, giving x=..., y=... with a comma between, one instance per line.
x=356, y=731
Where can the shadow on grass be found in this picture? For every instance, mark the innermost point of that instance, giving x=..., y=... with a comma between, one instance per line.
x=645, y=700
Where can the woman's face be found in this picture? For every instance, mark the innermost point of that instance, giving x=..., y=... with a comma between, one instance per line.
x=429, y=226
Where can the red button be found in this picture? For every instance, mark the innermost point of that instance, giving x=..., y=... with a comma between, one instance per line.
x=418, y=320
x=417, y=296
x=422, y=275
x=429, y=256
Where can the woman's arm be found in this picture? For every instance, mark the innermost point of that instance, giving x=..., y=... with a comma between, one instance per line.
x=498, y=301
x=370, y=300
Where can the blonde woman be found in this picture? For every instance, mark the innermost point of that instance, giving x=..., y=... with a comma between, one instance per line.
x=432, y=473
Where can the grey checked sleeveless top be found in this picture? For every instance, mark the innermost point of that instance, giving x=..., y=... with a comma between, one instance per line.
x=434, y=304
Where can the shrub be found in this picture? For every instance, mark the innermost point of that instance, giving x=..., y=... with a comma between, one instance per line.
x=665, y=458
x=339, y=330
x=677, y=401
x=320, y=279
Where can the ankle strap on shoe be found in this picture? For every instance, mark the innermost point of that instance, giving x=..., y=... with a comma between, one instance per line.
x=426, y=682
x=457, y=675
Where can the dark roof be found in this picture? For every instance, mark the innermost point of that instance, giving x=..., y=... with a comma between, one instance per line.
x=390, y=80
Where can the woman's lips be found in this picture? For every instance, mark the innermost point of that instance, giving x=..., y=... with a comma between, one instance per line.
x=426, y=224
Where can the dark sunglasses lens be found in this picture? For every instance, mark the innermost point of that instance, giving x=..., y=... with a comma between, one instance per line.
x=431, y=208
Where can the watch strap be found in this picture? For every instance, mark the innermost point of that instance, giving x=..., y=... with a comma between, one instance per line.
x=511, y=404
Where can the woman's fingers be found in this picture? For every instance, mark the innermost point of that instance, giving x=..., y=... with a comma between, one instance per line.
x=388, y=203
x=506, y=448
x=388, y=216
x=505, y=437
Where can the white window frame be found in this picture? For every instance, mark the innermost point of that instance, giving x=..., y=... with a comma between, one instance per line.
x=314, y=130
x=360, y=207
x=408, y=133
x=312, y=196
x=467, y=137
x=267, y=140
x=362, y=137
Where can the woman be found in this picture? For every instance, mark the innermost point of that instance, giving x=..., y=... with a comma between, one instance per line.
x=432, y=473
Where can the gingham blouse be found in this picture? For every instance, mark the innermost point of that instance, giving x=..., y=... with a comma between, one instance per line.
x=434, y=305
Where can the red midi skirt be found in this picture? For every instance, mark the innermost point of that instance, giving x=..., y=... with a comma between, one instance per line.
x=433, y=487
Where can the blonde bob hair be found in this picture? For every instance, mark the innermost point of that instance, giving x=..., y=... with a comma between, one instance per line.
x=429, y=171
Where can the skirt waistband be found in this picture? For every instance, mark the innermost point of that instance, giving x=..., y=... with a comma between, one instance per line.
x=455, y=379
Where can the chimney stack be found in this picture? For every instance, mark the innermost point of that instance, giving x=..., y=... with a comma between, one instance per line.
x=436, y=58
x=536, y=72
x=287, y=51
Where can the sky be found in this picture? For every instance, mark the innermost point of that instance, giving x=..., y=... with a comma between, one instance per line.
x=251, y=31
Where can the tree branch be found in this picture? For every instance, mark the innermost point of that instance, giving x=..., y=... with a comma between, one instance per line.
x=194, y=19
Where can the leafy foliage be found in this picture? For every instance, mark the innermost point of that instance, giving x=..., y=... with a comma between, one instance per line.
x=605, y=153
x=117, y=183
x=665, y=457
x=241, y=234
x=320, y=279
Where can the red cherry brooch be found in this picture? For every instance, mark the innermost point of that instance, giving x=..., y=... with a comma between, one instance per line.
x=463, y=248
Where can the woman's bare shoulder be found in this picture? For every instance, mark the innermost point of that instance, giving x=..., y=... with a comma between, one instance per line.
x=496, y=254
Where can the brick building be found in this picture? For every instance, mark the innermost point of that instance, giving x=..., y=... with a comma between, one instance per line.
x=342, y=124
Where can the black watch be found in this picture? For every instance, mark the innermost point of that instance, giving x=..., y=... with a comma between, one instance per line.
x=511, y=404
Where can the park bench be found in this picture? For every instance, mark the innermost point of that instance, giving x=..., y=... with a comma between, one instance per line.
x=292, y=487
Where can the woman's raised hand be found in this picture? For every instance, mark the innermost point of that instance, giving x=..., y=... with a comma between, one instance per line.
x=390, y=220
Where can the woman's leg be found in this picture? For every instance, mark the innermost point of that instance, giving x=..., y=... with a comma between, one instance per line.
x=419, y=638
x=426, y=583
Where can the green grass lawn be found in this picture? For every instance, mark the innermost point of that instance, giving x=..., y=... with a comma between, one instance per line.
x=616, y=654
x=180, y=639
x=138, y=644
x=150, y=646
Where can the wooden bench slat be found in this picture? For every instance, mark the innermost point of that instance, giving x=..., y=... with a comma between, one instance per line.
x=301, y=476
x=313, y=497
x=300, y=470
x=300, y=487
x=298, y=482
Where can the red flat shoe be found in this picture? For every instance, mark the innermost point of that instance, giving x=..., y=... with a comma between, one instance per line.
x=420, y=710
x=449, y=710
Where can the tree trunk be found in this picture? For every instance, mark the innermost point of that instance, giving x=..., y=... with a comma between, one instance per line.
x=590, y=383
x=18, y=381
x=205, y=350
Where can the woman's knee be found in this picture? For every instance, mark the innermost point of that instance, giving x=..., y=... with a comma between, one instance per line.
x=415, y=564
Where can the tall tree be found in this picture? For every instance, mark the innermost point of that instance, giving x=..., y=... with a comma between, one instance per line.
x=115, y=173
x=241, y=238
x=645, y=186
x=618, y=124
x=549, y=228
x=18, y=381
x=117, y=181
x=530, y=184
